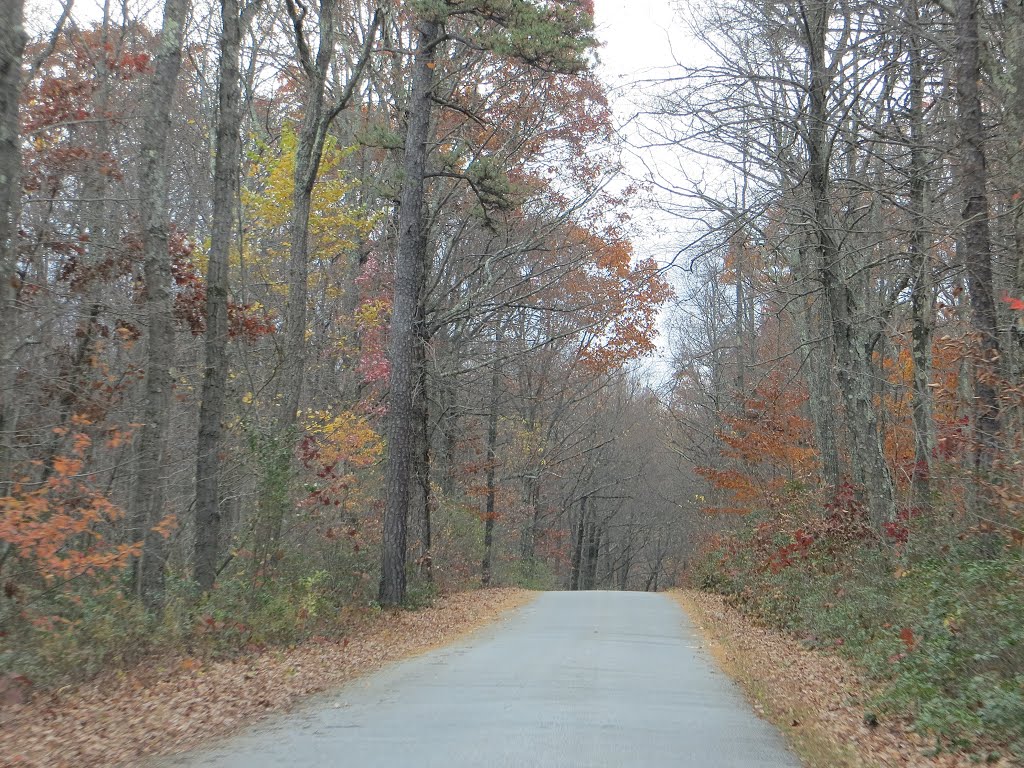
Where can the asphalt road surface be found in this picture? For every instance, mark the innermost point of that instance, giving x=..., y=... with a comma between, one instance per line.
x=588, y=679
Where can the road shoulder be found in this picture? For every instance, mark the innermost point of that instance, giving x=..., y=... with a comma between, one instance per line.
x=818, y=701
x=180, y=703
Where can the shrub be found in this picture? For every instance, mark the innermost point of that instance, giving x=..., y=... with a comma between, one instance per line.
x=933, y=612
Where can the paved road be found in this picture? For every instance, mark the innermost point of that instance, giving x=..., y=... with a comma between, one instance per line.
x=588, y=679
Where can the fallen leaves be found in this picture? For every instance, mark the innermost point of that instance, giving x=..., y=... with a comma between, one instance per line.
x=819, y=701
x=176, y=703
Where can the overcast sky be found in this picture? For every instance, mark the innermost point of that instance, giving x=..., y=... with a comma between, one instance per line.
x=642, y=40
x=636, y=35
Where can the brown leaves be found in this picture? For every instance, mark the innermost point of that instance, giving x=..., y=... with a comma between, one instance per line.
x=907, y=637
x=171, y=704
x=818, y=700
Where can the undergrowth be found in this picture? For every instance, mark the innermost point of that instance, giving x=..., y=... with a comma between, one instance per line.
x=930, y=609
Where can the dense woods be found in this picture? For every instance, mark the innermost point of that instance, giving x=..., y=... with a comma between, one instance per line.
x=309, y=306
x=848, y=347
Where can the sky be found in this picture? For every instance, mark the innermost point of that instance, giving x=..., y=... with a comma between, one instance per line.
x=643, y=42
x=636, y=36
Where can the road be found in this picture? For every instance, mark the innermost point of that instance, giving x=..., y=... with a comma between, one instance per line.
x=589, y=679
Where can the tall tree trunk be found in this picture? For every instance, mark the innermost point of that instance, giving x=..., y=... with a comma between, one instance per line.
x=627, y=563
x=12, y=46
x=275, y=486
x=852, y=341
x=308, y=154
x=225, y=194
x=150, y=475
x=816, y=338
x=977, y=257
x=490, y=508
x=421, y=492
x=921, y=290
x=1013, y=94
x=410, y=273
x=576, y=566
x=591, y=555
x=531, y=527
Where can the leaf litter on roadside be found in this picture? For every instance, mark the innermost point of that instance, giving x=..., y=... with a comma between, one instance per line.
x=819, y=701
x=172, y=704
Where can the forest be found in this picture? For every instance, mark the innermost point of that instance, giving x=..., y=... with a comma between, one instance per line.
x=314, y=307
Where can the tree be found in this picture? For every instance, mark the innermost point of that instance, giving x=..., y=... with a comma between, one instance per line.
x=977, y=257
x=225, y=191
x=148, y=499
x=12, y=44
x=556, y=41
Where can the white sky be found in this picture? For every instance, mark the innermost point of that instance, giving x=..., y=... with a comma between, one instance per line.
x=636, y=34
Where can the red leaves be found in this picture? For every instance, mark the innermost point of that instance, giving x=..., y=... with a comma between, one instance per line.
x=787, y=555
x=907, y=638
x=899, y=530
x=248, y=322
x=1015, y=304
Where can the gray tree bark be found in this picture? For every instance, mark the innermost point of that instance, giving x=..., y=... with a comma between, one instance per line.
x=853, y=343
x=422, y=496
x=579, y=537
x=12, y=46
x=225, y=195
x=410, y=271
x=977, y=257
x=150, y=475
x=922, y=296
x=490, y=507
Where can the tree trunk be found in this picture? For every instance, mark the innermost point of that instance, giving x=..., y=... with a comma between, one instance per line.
x=592, y=555
x=852, y=341
x=421, y=491
x=275, y=485
x=1013, y=95
x=626, y=565
x=225, y=194
x=922, y=299
x=410, y=273
x=816, y=339
x=1012, y=87
x=492, y=458
x=308, y=154
x=977, y=257
x=531, y=528
x=577, y=550
x=12, y=46
x=150, y=474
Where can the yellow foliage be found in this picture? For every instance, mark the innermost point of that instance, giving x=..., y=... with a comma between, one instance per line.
x=335, y=225
x=345, y=437
x=373, y=314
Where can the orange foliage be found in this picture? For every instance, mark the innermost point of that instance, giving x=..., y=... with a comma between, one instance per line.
x=767, y=446
x=617, y=300
x=54, y=526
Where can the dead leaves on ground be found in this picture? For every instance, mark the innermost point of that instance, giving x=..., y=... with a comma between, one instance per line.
x=819, y=701
x=176, y=703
